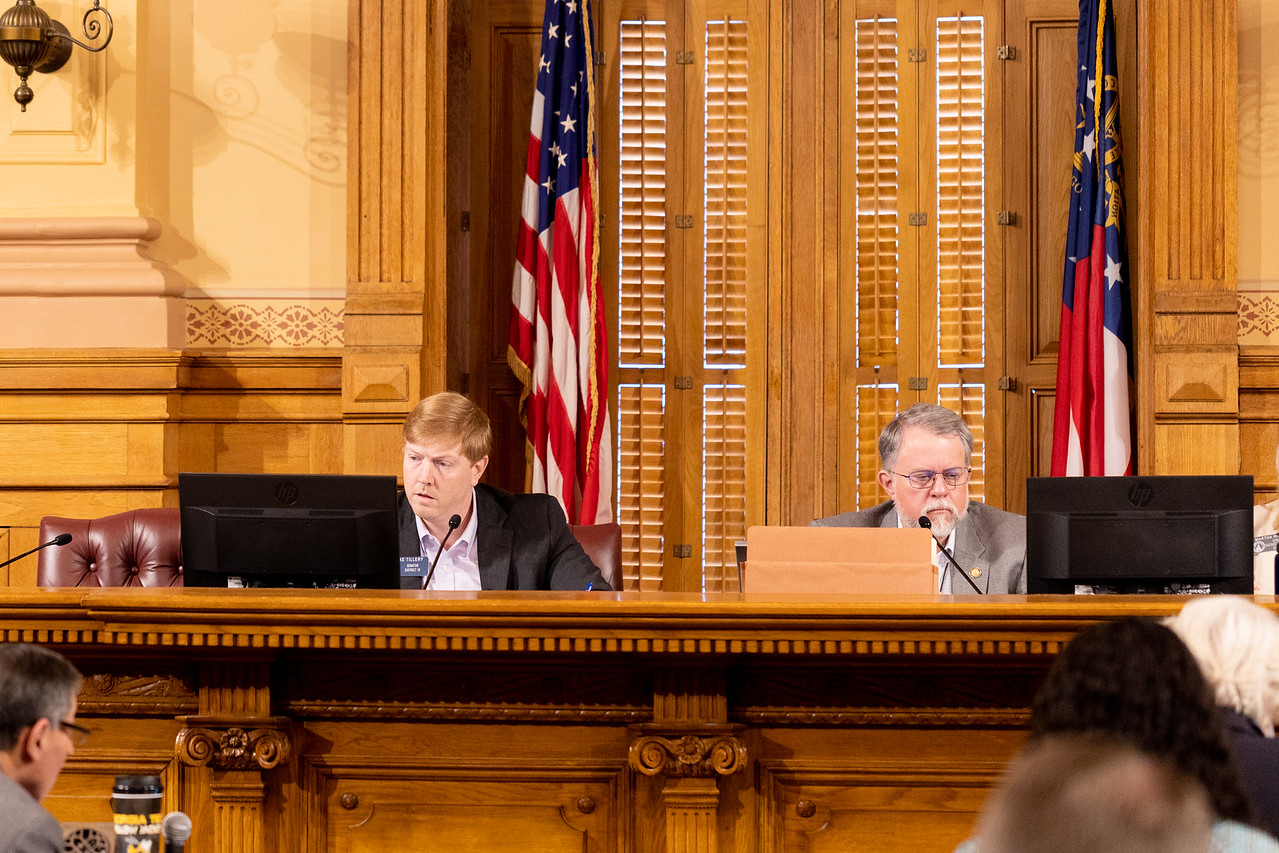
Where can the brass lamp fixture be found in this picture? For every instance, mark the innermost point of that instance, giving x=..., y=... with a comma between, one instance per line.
x=32, y=41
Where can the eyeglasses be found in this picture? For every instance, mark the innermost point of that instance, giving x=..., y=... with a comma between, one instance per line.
x=78, y=734
x=924, y=479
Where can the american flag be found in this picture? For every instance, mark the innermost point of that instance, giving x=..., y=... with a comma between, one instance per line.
x=1092, y=433
x=558, y=343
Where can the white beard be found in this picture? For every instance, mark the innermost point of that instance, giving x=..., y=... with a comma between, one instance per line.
x=945, y=525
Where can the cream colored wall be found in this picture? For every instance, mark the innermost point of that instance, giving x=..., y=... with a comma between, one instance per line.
x=1258, y=173
x=221, y=125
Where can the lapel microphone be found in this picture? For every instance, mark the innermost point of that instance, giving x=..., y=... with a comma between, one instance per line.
x=454, y=523
x=926, y=523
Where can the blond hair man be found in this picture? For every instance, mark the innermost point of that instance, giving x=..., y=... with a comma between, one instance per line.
x=492, y=539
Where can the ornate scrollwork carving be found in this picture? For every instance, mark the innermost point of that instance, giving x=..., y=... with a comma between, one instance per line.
x=233, y=748
x=690, y=755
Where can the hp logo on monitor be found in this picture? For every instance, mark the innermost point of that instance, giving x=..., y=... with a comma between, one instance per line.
x=286, y=492
x=1140, y=493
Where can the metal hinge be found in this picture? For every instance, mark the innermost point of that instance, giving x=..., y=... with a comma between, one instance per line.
x=683, y=383
x=683, y=57
x=917, y=54
x=1006, y=217
x=682, y=550
x=1007, y=383
x=684, y=220
x=1006, y=51
x=917, y=218
x=917, y=383
x=465, y=221
x=599, y=58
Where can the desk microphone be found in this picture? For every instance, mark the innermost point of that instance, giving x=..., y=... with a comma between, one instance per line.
x=177, y=829
x=59, y=540
x=454, y=523
x=926, y=523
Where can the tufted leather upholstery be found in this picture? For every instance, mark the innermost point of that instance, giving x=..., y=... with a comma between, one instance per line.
x=141, y=547
x=603, y=544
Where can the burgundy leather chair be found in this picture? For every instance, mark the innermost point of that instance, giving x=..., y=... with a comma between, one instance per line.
x=140, y=547
x=603, y=544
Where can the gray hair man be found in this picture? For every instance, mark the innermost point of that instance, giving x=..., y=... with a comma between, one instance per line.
x=38, y=732
x=925, y=457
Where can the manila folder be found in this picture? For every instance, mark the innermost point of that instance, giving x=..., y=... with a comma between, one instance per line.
x=855, y=560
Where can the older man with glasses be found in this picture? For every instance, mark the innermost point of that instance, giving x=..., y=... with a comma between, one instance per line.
x=925, y=454
x=38, y=732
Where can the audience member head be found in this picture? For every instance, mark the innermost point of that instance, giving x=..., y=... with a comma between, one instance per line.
x=1237, y=645
x=453, y=419
x=1082, y=794
x=38, y=689
x=1133, y=680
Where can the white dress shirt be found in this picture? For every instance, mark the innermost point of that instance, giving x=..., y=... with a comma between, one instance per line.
x=459, y=566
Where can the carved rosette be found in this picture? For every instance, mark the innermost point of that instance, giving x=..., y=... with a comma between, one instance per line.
x=233, y=748
x=690, y=755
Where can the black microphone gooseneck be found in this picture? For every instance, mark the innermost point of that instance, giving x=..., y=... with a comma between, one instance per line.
x=454, y=523
x=59, y=540
x=927, y=523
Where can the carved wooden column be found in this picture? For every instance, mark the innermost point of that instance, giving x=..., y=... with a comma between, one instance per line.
x=235, y=735
x=1187, y=329
x=690, y=744
x=395, y=320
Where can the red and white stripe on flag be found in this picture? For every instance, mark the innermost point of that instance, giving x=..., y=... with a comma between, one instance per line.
x=1092, y=430
x=558, y=338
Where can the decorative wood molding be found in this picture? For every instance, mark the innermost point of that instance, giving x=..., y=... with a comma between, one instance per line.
x=702, y=755
x=347, y=719
x=261, y=744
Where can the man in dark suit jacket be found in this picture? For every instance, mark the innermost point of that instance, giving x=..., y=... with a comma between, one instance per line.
x=38, y=690
x=492, y=539
x=925, y=456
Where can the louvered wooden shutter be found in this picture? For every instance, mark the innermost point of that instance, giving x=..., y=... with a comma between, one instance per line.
x=876, y=283
x=642, y=263
x=919, y=208
x=961, y=209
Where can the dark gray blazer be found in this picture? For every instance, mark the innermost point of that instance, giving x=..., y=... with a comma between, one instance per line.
x=524, y=543
x=990, y=540
x=25, y=825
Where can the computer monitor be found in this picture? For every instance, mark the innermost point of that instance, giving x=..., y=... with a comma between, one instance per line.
x=289, y=530
x=1166, y=534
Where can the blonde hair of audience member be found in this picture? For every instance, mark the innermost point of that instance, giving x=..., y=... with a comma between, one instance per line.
x=1082, y=794
x=450, y=415
x=1236, y=644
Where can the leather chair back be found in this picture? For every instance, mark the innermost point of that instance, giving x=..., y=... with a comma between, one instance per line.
x=141, y=547
x=603, y=544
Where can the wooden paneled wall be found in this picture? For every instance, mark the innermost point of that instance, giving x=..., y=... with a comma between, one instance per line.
x=86, y=433
x=1187, y=238
x=1184, y=254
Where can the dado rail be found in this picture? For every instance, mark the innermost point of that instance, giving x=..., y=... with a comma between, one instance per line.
x=291, y=721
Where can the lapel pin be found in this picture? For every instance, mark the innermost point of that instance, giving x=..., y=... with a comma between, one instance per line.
x=975, y=572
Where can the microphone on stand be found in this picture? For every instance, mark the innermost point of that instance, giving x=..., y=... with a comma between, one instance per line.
x=59, y=540
x=177, y=829
x=454, y=523
x=927, y=523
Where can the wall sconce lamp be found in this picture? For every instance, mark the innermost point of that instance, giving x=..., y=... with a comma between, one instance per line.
x=32, y=41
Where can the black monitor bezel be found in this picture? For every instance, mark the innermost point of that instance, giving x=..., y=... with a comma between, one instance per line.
x=1180, y=505
x=289, y=505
